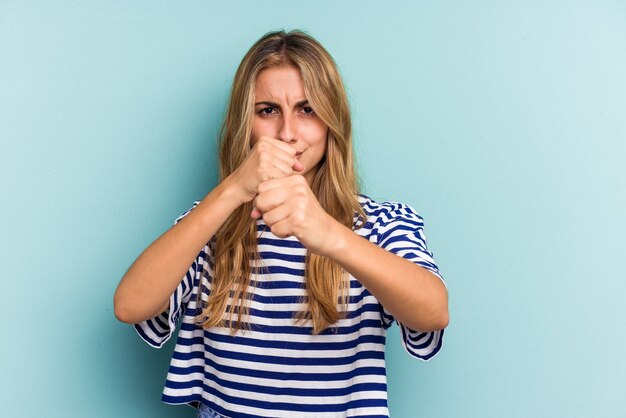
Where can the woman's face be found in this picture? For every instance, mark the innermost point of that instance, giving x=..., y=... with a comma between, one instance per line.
x=282, y=111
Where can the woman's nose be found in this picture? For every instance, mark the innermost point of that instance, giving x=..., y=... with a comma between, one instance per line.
x=286, y=131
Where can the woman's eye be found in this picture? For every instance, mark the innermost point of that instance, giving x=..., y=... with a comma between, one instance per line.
x=266, y=111
x=308, y=110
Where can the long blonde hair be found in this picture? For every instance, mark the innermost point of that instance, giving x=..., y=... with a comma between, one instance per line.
x=335, y=185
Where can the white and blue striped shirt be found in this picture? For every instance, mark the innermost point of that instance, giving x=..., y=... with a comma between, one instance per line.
x=278, y=369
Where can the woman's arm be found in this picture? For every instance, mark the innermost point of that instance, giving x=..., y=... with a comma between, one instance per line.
x=145, y=289
x=412, y=294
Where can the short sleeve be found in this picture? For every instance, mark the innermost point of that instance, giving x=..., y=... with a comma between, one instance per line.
x=401, y=232
x=158, y=330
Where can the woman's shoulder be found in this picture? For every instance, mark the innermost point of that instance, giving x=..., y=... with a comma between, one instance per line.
x=386, y=210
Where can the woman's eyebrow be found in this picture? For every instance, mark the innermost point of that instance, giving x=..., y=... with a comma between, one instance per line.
x=298, y=104
x=267, y=104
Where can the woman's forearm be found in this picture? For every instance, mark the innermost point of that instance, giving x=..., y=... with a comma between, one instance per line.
x=145, y=289
x=412, y=294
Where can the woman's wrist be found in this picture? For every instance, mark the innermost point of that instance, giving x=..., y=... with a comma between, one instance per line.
x=339, y=241
x=229, y=193
x=215, y=208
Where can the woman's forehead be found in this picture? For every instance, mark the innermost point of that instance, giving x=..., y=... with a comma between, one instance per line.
x=280, y=83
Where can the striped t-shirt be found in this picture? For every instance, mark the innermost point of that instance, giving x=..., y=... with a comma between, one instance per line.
x=278, y=369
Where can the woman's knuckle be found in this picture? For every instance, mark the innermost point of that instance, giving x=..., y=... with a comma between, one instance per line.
x=264, y=155
x=299, y=218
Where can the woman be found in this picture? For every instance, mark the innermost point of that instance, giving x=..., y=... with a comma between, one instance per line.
x=295, y=276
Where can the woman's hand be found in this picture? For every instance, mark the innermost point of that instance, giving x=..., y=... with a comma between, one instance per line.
x=269, y=158
x=289, y=207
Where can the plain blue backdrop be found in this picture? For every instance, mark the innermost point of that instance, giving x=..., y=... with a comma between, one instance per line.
x=502, y=123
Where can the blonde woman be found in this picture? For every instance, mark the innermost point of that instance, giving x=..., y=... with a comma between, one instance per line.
x=290, y=275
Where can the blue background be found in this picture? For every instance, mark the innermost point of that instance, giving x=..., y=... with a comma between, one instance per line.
x=502, y=123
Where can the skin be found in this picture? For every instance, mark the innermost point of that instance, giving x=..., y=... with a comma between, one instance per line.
x=414, y=295
x=282, y=111
x=279, y=183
